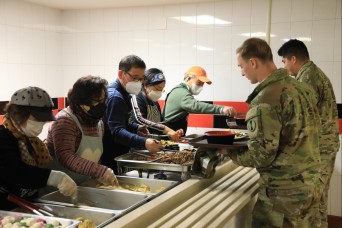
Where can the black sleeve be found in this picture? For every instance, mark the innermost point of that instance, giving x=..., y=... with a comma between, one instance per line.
x=13, y=171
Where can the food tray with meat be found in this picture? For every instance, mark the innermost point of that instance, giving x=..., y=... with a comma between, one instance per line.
x=18, y=219
x=165, y=161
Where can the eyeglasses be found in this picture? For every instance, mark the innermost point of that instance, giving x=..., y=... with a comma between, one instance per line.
x=134, y=78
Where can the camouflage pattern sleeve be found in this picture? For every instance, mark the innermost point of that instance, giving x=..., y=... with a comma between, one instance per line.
x=313, y=76
x=264, y=128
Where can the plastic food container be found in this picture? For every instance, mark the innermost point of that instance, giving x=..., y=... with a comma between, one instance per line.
x=220, y=137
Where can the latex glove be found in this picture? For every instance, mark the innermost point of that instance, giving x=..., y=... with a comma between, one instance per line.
x=63, y=182
x=153, y=145
x=228, y=111
x=109, y=178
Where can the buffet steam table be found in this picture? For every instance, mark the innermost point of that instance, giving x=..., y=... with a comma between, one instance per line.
x=215, y=202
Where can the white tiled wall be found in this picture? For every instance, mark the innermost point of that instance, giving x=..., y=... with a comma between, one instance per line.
x=30, y=47
x=52, y=48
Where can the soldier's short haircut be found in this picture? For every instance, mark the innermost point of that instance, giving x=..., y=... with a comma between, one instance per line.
x=294, y=47
x=255, y=48
x=130, y=61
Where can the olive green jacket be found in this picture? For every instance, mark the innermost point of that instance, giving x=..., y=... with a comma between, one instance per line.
x=180, y=102
x=283, y=126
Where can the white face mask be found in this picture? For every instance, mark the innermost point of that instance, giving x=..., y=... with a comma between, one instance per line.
x=155, y=95
x=195, y=89
x=33, y=128
x=133, y=87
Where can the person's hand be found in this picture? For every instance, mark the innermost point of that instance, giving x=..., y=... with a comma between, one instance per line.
x=228, y=111
x=153, y=145
x=142, y=130
x=173, y=135
x=63, y=182
x=180, y=132
x=109, y=178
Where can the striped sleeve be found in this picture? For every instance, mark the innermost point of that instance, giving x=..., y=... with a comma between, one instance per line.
x=141, y=120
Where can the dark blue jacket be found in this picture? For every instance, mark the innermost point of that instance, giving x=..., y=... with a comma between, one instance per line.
x=119, y=133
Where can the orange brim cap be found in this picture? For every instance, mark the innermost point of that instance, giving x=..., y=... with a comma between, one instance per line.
x=204, y=79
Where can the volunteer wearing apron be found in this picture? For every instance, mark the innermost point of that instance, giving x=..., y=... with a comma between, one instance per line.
x=75, y=138
x=146, y=109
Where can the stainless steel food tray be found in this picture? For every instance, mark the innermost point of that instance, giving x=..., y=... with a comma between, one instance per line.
x=154, y=184
x=99, y=217
x=65, y=222
x=126, y=160
x=100, y=199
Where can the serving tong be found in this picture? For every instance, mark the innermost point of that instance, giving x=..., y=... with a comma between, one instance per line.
x=148, y=156
x=28, y=206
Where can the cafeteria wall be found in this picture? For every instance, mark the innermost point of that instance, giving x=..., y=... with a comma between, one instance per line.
x=51, y=48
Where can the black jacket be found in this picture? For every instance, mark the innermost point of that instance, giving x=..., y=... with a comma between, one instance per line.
x=16, y=176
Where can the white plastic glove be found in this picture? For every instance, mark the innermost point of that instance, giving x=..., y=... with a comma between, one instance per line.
x=109, y=178
x=63, y=182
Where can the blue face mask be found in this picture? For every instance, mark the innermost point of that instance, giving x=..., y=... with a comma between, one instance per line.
x=97, y=111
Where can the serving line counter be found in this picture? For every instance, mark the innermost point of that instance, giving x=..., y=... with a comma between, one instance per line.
x=225, y=200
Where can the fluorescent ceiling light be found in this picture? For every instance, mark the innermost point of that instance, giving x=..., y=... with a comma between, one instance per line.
x=256, y=34
x=202, y=48
x=308, y=39
x=202, y=20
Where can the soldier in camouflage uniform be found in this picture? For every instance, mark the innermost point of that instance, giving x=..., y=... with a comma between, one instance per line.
x=295, y=57
x=282, y=125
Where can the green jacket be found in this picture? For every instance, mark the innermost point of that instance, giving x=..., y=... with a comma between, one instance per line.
x=180, y=102
x=283, y=126
x=326, y=104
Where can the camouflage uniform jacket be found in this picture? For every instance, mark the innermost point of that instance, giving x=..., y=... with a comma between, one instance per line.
x=282, y=125
x=326, y=104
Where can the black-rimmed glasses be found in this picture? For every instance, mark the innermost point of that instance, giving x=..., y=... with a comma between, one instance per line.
x=134, y=78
